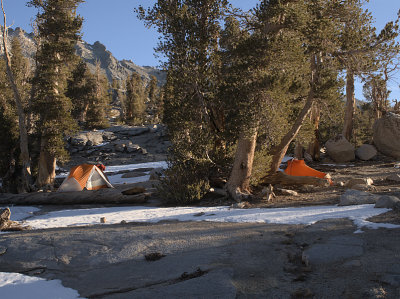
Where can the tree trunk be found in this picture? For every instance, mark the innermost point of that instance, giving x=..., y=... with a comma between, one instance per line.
x=314, y=146
x=239, y=181
x=102, y=196
x=350, y=106
x=47, y=166
x=23, y=135
x=280, y=151
x=298, y=151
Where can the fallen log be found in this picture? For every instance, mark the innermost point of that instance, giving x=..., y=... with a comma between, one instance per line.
x=284, y=179
x=102, y=196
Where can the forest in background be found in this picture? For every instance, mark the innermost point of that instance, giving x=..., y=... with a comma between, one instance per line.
x=242, y=89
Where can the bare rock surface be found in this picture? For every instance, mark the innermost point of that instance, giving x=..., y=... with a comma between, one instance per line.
x=210, y=260
x=119, y=145
x=386, y=136
x=340, y=150
x=366, y=152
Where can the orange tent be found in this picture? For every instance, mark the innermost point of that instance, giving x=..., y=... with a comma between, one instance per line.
x=299, y=168
x=85, y=176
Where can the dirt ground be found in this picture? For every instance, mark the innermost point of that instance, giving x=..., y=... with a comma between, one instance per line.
x=378, y=170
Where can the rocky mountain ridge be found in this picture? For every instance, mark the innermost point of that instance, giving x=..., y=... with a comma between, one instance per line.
x=111, y=66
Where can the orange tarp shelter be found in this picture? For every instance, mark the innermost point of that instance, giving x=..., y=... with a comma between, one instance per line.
x=299, y=168
x=84, y=176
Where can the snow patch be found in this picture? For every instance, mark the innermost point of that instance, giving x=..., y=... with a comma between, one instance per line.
x=304, y=215
x=14, y=285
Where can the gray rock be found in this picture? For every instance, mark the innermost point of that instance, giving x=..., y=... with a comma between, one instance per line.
x=387, y=201
x=386, y=135
x=391, y=279
x=132, y=148
x=395, y=177
x=136, y=131
x=355, y=197
x=120, y=147
x=156, y=174
x=87, y=138
x=133, y=175
x=143, y=151
x=359, y=181
x=109, y=136
x=334, y=250
x=340, y=150
x=366, y=152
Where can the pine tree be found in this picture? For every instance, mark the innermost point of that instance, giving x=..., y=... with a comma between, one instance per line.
x=97, y=114
x=362, y=51
x=154, y=106
x=79, y=90
x=135, y=100
x=58, y=29
x=190, y=32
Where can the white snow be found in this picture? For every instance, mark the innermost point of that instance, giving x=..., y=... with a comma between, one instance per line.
x=118, y=179
x=18, y=286
x=304, y=215
x=19, y=213
x=161, y=164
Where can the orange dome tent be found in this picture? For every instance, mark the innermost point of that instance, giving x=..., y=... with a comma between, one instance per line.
x=84, y=176
x=299, y=168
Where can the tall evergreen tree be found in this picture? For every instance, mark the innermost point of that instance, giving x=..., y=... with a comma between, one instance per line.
x=190, y=32
x=154, y=106
x=135, y=100
x=97, y=114
x=58, y=29
x=80, y=89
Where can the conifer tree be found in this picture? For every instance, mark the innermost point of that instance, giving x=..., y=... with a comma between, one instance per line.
x=154, y=100
x=190, y=32
x=58, y=29
x=362, y=51
x=135, y=100
x=97, y=114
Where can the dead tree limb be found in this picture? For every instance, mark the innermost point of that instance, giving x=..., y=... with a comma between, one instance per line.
x=102, y=196
x=26, y=164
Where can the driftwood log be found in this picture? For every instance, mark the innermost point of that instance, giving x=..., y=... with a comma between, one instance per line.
x=102, y=196
x=6, y=224
x=283, y=179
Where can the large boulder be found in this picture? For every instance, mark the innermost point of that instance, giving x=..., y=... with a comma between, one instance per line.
x=387, y=135
x=387, y=202
x=87, y=138
x=355, y=197
x=340, y=150
x=366, y=152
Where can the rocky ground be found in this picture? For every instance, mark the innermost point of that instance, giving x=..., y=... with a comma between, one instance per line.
x=212, y=260
x=219, y=260
x=119, y=145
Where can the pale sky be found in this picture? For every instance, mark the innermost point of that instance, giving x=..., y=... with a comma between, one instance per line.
x=115, y=25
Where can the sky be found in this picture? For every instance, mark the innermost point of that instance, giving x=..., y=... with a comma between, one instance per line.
x=115, y=25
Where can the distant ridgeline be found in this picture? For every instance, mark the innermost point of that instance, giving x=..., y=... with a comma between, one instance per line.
x=112, y=67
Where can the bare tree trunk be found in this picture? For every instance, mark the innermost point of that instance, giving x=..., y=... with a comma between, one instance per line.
x=350, y=106
x=280, y=151
x=25, y=158
x=298, y=151
x=239, y=181
x=47, y=166
x=314, y=146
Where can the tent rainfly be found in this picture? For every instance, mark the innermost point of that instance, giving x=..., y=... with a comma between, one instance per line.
x=85, y=176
